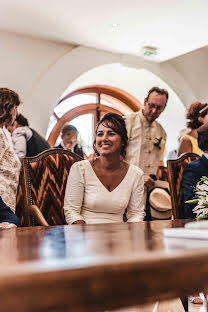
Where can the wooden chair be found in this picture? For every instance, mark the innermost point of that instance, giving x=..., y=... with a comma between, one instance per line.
x=175, y=173
x=20, y=200
x=44, y=181
x=162, y=173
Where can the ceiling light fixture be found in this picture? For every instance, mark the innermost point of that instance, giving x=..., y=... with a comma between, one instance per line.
x=114, y=25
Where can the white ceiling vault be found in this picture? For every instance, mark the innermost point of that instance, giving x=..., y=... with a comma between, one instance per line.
x=175, y=27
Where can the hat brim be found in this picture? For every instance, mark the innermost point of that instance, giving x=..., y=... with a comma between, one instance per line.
x=160, y=199
x=160, y=215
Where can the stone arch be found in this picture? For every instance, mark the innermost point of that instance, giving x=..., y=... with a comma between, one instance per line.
x=81, y=59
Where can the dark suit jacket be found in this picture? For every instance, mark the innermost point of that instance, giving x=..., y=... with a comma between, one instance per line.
x=36, y=144
x=191, y=175
x=78, y=150
x=6, y=215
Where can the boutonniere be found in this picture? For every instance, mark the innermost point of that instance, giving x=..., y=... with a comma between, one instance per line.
x=201, y=191
x=159, y=142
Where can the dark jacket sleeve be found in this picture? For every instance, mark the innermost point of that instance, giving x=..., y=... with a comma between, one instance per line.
x=191, y=175
x=78, y=150
x=6, y=215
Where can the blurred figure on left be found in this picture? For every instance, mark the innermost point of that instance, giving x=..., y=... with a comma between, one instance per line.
x=26, y=141
x=9, y=162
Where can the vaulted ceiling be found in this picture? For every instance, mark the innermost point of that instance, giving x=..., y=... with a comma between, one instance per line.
x=174, y=27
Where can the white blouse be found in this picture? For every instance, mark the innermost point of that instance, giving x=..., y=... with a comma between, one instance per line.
x=20, y=136
x=87, y=199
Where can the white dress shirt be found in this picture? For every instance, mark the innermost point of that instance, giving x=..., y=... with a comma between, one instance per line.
x=141, y=150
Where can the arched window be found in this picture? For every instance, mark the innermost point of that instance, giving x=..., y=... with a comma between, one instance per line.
x=84, y=107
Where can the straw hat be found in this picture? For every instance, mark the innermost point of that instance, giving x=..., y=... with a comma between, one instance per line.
x=160, y=201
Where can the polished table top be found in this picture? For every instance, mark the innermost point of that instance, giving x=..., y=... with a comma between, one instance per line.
x=97, y=267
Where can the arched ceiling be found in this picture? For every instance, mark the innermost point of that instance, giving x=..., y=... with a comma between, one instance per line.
x=174, y=27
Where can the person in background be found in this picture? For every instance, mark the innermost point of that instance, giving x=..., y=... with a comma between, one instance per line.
x=147, y=137
x=194, y=171
x=9, y=162
x=99, y=190
x=173, y=154
x=69, y=140
x=196, y=116
x=26, y=141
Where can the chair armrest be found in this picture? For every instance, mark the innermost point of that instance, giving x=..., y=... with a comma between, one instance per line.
x=35, y=212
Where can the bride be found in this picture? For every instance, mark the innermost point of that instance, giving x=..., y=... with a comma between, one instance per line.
x=101, y=189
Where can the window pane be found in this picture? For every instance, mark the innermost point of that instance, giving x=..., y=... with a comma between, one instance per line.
x=51, y=125
x=104, y=102
x=85, y=127
x=108, y=100
x=73, y=102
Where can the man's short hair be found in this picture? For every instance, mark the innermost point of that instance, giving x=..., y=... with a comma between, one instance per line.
x=21, y=120
x=69, y=129
x=203, y=137
x=159, y=91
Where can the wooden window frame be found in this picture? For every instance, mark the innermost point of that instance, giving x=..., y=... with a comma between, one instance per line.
x=116, y=93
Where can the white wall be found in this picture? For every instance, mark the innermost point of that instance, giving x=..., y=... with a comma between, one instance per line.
x=193, y=67
x=40, y=71
x=23, y=63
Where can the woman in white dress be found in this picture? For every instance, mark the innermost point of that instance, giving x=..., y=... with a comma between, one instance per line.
x=9, y=162
x=99, y=190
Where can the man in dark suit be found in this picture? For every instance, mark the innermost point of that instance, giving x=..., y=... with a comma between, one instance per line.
x=69, y=140
x=194, y=171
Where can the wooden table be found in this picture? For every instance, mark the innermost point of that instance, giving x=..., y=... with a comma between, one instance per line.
x=97, y=267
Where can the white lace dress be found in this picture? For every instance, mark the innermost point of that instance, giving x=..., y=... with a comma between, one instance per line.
x=9, y=172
